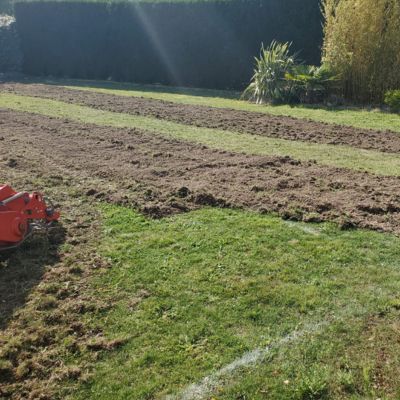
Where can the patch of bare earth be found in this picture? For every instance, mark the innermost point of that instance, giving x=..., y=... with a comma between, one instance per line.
x=226, y=119
x=161, y=176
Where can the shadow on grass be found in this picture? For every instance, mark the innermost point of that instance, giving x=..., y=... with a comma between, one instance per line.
x=189, y=91
x=99, y=84
x=22, y=270
x=226, y=94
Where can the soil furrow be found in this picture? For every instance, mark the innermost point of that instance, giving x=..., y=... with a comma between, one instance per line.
x=161, y=176
x=226, y=119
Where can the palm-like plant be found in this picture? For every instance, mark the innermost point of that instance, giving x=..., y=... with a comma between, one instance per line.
x=312, y=83
x=268, y=83
x=312, y=77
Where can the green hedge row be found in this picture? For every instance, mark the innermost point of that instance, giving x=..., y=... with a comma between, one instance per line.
x=6, y=7
x=10, y=54
x=204, y=44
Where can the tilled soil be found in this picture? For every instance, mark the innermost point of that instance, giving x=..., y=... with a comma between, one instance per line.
x=226, y=119
x=161, y=176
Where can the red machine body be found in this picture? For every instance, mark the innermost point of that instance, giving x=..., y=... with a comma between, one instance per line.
x=20, y=214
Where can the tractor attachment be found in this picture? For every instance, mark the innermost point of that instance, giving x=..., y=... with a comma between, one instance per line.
x=21, y=215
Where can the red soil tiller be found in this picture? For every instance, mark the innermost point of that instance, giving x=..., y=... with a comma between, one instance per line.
x=21, y=215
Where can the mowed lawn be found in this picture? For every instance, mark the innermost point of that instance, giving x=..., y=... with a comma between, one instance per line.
x=195, y=292
x=229, y=304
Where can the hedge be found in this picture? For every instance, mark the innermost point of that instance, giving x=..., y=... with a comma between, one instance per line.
x=203, y=44
x=10, y=54
x=6, y=7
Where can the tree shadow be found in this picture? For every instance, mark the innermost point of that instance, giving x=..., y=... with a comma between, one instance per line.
x=190, y=91
x=115, y=85
x=22, y=269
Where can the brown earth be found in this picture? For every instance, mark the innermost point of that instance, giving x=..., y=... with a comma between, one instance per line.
x=226, y=119
x=160, y=176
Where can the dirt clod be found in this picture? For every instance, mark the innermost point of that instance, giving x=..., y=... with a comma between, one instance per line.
x=12, y=163
x=91, y=192
x=183, y=192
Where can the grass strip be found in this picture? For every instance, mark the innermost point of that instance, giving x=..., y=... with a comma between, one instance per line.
x=197, y=291
x=338, y=156
x=356, y=117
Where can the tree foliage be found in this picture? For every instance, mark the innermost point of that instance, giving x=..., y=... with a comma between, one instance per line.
x=362, y=44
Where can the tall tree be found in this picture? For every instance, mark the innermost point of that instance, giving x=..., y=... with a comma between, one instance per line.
x=362, y=44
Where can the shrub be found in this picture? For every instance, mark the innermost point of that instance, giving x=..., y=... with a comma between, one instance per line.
x=392, y=99
x=269, y=81
x=362, y=44
x=280, y=78
x=312, y=84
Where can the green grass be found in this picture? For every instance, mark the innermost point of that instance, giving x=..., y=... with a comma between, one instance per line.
x=357, y=117
x=196, y=291
x=340, y=156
